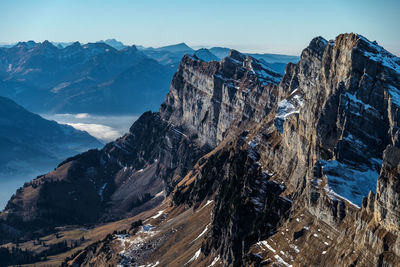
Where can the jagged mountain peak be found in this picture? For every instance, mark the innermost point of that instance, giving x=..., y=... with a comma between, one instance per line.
x=114, y=43
x=236, y=55
x=130, y=49
x=74, y=44
x=75, y=47
x=28, y=44
x=264, y=73
x=237, y=77
x=47, y=45
x=331, y=104
x=369, y=49
x=377, y=53
x=317, y=44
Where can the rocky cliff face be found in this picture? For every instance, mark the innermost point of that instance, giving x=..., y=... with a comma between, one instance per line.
x=210, y=98
x=286, y=165
x=324, y=142
x=387, y=197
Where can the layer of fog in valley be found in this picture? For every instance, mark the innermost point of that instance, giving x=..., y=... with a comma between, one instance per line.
x=105, y=128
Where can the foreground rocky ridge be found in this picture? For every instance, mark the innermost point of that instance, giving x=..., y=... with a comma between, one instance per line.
x=335, y=115
x=289, y=167
x=331, y=129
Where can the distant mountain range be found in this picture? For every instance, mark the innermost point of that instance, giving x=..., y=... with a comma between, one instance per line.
x=172, y=54
x=92, y=78
x=275, y=61
x=169, y=55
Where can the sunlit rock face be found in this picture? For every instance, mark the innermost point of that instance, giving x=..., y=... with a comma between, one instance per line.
x=334, y=115
x=207, y=98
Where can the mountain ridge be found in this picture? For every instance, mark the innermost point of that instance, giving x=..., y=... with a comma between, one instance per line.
x=256, y=179
x=258, y=165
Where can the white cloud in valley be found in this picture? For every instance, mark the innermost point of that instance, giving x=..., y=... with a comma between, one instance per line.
x=82, y=116
x=104, y=128
x=102, y=132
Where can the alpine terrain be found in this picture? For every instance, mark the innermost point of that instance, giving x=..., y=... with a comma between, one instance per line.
x=241, y=166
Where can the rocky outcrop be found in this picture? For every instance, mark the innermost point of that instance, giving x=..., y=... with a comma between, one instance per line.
x=247, y=205
x=387, y=203
x=324, y=142
x=207, y=99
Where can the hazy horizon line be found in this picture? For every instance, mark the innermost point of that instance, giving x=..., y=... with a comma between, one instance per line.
x=240, y=48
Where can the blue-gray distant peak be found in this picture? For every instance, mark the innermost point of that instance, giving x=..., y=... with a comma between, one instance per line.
x=114, y=43
x=181, y=47
x=205, y=55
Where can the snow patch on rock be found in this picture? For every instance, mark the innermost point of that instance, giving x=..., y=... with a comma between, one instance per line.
x=286, y=108
x=348, y=182
x=379, y=54
x=216, y=259
x=158, y=214
x=195, y=256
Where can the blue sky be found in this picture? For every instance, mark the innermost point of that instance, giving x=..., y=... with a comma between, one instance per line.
x=285, y=26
